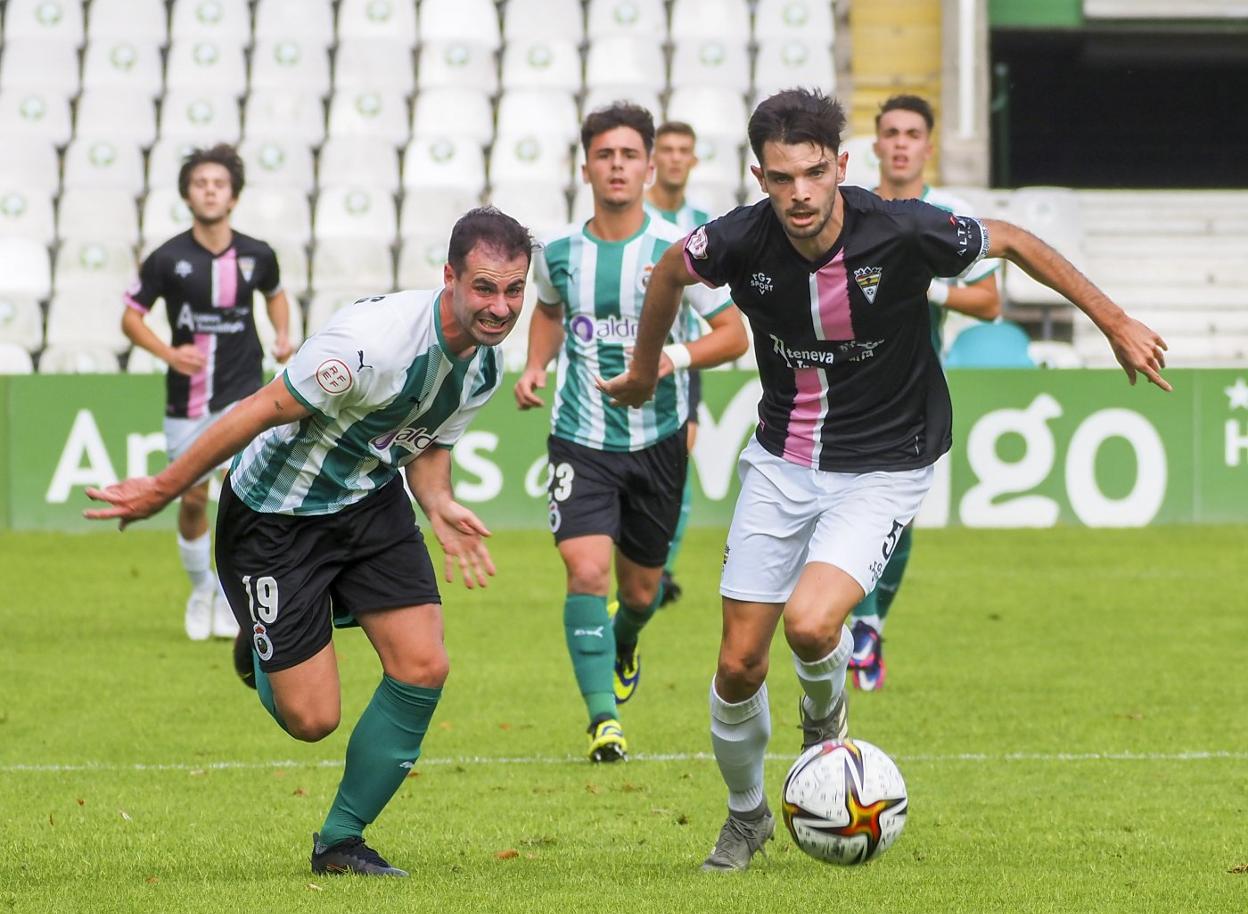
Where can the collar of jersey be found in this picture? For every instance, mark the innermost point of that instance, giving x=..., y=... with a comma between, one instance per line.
x=645, y=224
x=814, y=266
x=437, y=327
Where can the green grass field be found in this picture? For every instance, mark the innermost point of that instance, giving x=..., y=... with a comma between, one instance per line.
x=1068, y=709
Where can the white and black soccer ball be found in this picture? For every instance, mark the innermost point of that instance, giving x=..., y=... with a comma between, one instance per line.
x=844, y=801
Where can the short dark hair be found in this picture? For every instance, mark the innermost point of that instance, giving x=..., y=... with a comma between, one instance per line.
x=618, y=114
x=915, y=103
x=222, y=154
x=797, y=116
x=680, y=128
x=491, y=228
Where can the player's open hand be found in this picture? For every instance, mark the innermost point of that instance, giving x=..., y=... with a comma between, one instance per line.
x=627, y=389
x=532, y=379
x=187, y=360
x=1138, y=348
x=128, y=500
x=282, y=350
x=461, y=534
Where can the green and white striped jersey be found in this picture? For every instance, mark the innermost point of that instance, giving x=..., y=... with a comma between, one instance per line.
x=600, y=286
x=383, y=387
x=687, y=218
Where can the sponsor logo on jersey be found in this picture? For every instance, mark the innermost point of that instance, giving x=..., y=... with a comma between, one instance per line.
x=411, y=439
x=868, y=279
x=334, y=376
x=697, y=243
x=762, y=283
x=183, y=268
x=963, y=227
x=247, y=266
x=801, y=358
x=604, y=330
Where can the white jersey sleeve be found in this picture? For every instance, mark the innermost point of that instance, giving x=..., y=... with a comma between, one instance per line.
x=705, y=301
x=546, y=292
x=344, y=365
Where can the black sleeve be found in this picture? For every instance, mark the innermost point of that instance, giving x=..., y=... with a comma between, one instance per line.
x=270, y=279
x=149, y=285
x=948, y=243
x=711, y=250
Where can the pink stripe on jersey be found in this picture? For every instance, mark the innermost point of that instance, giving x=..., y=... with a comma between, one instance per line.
x=226, y=267
x=805, y=416
x=200, y=394
x=832, y=287
x=137, y=306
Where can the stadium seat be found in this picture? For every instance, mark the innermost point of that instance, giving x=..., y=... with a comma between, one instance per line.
x=93, y=212
x=87, y=316
x=90, y=262
x=392, y=20
x=750, y=191
x=782, y=63
x=26, y=214
x=460, y=20
x=529, y=158
x=360, y=266
x=370, y=113
x=365, y=63
x=296, y=116
x=324, y=305
x=32, y=115
x=1053, y=214
x=127, y=116
x=444, y=162
x=421, y=260
x=1054, y=354
x=715, y=62
x=719, y=161
x=54, y=20
x=457, y=64
x=1002, y=344
x=553, y=109
x=305, y=22
x=292, y=260
x=290, y=65
x=465, y=111
x=104, y=162
x=164, y=162
x=14, y=359
x=540, y=209
x=346, y=161
x=264, y=327
x=51, y=67
x=623, y=62
x=132, y=20
x=713, y=198
x=605, y=95
x=31, y=163
x=354, y=212
x=278, y=162
x=123, y=64
x=719, y=113
x=203, y=118
x=863, y=169
x=25, y=268
x=79, y=359
x=435, y=210
x=21, y=322
x=165, y=214
x=225, y=21
x=643, y=19
x=728, y=20
x=196, y=63
x=800, y=19
x=279, y=215
x=537, y=62
x=582, y=203
x=553, y=20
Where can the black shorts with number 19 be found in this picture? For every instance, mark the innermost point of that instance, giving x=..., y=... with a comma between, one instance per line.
x=291, y=579
x=632, y=497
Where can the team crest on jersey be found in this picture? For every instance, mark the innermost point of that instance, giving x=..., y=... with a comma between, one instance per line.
x=868, y=279
x=334, y=376
x=644, y=279
x=247, y=266
x=697, y=243
x=182, y=268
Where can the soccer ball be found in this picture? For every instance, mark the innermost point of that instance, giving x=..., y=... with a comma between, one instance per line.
x=844, y=801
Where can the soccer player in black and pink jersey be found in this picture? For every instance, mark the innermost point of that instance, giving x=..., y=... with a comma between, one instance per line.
x=206, y=276
x=854, y=412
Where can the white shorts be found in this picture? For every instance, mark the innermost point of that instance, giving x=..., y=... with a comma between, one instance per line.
x=180, y=434
x=787, y=516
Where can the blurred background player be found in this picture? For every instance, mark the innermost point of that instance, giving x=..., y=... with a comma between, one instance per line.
x=903, y=144
x=616, y=477
x=207, y=275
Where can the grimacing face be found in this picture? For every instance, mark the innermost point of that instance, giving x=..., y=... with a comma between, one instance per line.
x=903, y=145
x=210, y=193
x=617, y=167
x=801, y=180
x=674, y=158
x=487, y=296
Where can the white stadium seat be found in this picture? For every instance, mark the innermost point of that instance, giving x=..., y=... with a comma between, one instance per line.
x=351, y=264
x=25, y=268
x=801, y=19
x=554, y=20
x=582, y=203
x=104, y=162
x=87, y=317
x=728, y=20
x=324, y=305
x=626, y=63
x=212, y=20
x=204, y=118
x=606, y=95
x=394, y=20
x=711, y=112
x=278, y=162
x=305, y=22
x=133, y=20
x=279, y=215
x=466, y=112
x=452, y=166
x=31, y=163
x=553, y=109
x=1054, y=214
x=55, y=20
x=292, y=260
x=34, y=115
x=370, y=113
x=125, y=64
x=195, y=63
x=51, y=67
x=460, y=20
x=538, y=62
x=530, y=158
x=78, y=359
x=713, y=198
x=297, y=116
x=164, y=162
x=719, y=161
x=21, y=322
x=24, y=214
x=711, y=62
x=94, y=263
x=165, y=214
x=126, y=115
x=366, y=63
x=863, y=169
x=347, y=161
x=457, y=64
x=421, y=261
x=92, y=212
x=644, y=19
x=540, y=209
x=14, y=359
x=782, y=63
x=355, y=212
x=290, y=65
x=435, y=210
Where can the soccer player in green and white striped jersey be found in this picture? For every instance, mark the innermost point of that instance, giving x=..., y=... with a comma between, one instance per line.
x=315, y=529
x=616, y=475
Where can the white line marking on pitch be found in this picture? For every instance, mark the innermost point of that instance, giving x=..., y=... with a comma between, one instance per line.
x=972, y=757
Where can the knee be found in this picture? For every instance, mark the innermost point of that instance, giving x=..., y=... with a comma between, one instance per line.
x=589, y=576
x=428, y=669
x=637, y=594
x=744, y=672
x=309, y=724
x=194, y=502
x=810, y=636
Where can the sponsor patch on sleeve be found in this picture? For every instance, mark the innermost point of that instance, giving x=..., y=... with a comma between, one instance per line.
x=334, y=377
x=696, y=243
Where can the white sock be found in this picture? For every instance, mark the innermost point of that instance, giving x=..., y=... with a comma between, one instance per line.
x=197, y=560
x=823, y=680
x=739, y=735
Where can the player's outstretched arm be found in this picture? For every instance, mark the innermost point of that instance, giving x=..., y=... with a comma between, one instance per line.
x=278, y=307
x=134, y=499
x=460, y=532
x=658, y=312
x=1136, y=346
x=545, y=338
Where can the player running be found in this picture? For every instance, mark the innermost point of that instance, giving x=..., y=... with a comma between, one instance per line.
x=315, y=529
x=854, y=412
x=616, y=478
x=206, y=275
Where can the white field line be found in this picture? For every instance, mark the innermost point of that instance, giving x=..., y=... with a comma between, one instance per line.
x=480, y=760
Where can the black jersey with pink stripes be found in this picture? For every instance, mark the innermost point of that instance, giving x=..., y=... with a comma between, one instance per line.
x=209, y=300
x=851, y=383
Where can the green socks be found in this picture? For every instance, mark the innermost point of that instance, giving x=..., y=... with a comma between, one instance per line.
x=679, y=536
x=591, y=644
x=264, y=689
x=629, y=621
x=383, y=747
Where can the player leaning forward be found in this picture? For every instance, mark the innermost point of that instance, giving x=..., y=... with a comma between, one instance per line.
x=854, y=412
x=314, y=511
